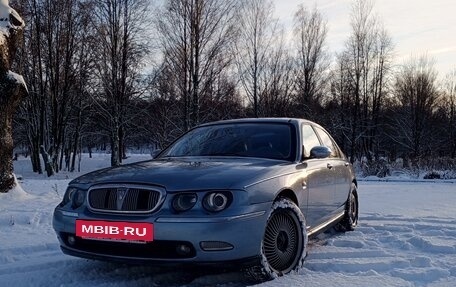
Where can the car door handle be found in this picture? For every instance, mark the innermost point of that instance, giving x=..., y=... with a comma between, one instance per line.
x=329, y=166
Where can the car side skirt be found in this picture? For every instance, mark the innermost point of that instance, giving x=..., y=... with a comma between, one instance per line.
x=326, y=225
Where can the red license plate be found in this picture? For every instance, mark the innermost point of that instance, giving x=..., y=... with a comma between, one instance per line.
x=115, y=230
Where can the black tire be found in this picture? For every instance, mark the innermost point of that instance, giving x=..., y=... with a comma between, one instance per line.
x=284, y=245
x=350, y=219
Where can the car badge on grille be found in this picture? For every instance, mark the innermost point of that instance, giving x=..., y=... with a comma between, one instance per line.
x=121, y=194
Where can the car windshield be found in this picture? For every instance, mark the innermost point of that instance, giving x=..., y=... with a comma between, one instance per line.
x=264, y=140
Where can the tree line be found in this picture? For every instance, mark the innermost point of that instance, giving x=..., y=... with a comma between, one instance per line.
x=119, y=74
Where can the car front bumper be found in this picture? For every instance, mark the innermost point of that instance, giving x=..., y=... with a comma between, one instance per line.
x=211, y=239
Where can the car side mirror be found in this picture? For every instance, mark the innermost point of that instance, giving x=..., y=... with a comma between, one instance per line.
x=155, y=153
x=320, y=152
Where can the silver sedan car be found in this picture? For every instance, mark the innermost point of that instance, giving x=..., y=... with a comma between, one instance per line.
x=245, y=192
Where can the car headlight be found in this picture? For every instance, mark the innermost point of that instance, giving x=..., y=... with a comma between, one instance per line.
x=75, y=196
x=184, y=201
x=78, y=198
x=217, y=201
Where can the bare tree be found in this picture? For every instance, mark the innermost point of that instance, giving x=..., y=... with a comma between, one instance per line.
x=276, y=97
x=54, y=44
x=312, y=61
x=449, y=95
x=166, y=125
x=377, y=89
x=339, y=106
x=195, y=36
x=33, y=111
x=258, y=30
x=60, y=29
x=120, y=26
x=358, y=46
x=84, y=54
x=367, y=63
x=415, y=87
x=12, y=89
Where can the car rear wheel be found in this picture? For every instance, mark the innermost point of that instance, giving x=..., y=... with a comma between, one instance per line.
x=283, y=247
x=350, y=220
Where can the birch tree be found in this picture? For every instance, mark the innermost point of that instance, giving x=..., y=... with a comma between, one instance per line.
x=258, y=30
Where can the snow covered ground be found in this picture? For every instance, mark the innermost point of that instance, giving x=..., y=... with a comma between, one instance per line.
x=406, y=237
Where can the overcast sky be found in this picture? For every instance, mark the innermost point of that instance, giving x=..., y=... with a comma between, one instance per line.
x=416, y=26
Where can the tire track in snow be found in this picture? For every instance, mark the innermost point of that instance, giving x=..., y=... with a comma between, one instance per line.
x=387, y=249
x=396, y=246
x=45, y=265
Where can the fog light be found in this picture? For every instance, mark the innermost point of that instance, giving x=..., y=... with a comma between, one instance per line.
x=215, y=246
x=183, y=249
x=71, y=240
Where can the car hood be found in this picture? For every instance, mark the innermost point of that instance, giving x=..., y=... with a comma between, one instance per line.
x=189, y=173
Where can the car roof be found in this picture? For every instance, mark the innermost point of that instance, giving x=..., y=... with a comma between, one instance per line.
x=258, y=120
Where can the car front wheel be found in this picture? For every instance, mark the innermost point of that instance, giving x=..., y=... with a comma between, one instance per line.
x=283, y=247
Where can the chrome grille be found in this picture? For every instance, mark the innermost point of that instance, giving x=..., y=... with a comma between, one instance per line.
x=124, y=199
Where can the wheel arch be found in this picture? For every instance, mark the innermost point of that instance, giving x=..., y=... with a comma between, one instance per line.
x=287, y=193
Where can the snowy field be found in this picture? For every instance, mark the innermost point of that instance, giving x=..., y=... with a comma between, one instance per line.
x=406, y=237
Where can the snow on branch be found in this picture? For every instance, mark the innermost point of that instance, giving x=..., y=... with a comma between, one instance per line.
x=18, y=78
x=9, y=19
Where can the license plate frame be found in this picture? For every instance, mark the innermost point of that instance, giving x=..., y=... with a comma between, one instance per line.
x=124, y=231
